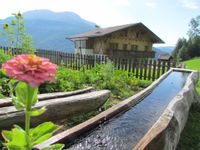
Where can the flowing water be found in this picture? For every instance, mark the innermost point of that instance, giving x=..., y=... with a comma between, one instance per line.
x=126, y=129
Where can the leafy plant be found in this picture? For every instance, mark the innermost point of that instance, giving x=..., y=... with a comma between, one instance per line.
x=24, y=91
x=16, y=36
x=4, y=88
x=4, y=57
x=121, y=83
x=66, y=80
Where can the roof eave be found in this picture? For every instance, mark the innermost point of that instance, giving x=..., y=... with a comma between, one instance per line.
x=159, y=42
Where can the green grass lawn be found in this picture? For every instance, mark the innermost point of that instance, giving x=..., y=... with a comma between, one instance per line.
x=195, y=65
x=190, y=137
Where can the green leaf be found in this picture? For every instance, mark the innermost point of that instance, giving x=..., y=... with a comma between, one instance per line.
x=25, y=94
x=38, y=112
x=16, y=139
x=54, y=147
x=16, y=135
x=42, y=138
x=32, y=95
x=7, y=135
x=12, y=85
x=22, y=92
x=42, y=131
x=18, y=105
x=19, y=128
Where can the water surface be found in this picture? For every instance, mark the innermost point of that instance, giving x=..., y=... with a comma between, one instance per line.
x=126, y=129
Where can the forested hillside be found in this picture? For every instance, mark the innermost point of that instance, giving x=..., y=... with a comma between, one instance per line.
x=49, y=29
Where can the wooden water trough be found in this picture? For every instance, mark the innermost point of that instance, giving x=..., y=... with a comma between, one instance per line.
x=59, y=106
x=152, y=140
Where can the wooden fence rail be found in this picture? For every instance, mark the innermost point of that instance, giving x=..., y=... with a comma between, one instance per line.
x=141, y=68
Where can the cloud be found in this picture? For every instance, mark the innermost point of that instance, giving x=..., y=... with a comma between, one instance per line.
x=122, y=2
x=190, y=4
x=151, y=4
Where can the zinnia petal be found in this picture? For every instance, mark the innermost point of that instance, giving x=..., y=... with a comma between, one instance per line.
x=31, y=69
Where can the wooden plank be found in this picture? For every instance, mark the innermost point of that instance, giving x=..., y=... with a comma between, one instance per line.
x=93, y=60
x=137, y=67
x=133, y=65
x=145, y=69
x=158, y=69
x=90, y=61
x=126, y=64
x=163, y=67
x=114, y=62
x=154, y=70
x=141, y=68
x=66, y=60
x=122, y=64
x=129, y=65
x=118, y=63
x=70, y=60
x=106, y=59
x=86, y=61
x=168, y=65
x=75, y=62
x=174, y=64
x=149, y=69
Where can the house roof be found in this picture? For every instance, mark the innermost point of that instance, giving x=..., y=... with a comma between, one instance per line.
x=164, y=57
x=104, y=31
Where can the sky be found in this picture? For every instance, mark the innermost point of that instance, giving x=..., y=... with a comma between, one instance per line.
x=168, y=19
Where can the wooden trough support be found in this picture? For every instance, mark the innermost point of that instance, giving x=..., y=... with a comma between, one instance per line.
x=8, y=102
x=57, y=108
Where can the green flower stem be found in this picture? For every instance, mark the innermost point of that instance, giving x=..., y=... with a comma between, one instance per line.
x=28, y=120
x=27, y=127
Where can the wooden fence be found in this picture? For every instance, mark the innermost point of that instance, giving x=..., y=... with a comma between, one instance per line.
x=142, y=68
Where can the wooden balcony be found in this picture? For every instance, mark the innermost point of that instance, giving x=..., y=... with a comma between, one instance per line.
x=130, y=54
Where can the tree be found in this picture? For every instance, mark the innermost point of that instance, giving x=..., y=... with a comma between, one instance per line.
x=16, y=36
x=181, y=42
x=186, y=49
x=194, y=46
x=183, y=53
x=194, y=27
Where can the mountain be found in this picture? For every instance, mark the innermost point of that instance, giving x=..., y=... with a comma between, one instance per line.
x=166, y=49
x=162, y=50
x=50, y=29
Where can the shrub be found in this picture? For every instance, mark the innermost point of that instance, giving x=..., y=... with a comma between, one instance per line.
x=3, y=57
x=66, y=80
x=4, y=88
x=121, y=83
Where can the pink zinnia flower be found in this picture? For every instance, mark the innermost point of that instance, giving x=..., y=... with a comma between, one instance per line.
x=31, y=69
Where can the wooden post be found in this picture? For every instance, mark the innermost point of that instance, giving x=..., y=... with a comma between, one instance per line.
x=137, y=67
x=154, y=70
x=158, y=69
x=141, y=68
x=145, y=69
x=163, y=67
x=149, y=70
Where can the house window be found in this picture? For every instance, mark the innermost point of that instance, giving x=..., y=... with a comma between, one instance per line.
x=146, y=48
x=126, y=33
x=137, y=34
x=134, y=47
x=113, y=45
x=76, y=44
x=80, y=44
x=124, y=46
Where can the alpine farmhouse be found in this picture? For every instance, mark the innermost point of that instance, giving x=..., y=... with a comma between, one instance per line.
x=131, y=40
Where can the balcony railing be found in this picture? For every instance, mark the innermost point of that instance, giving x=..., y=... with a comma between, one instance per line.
x=130, y=54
